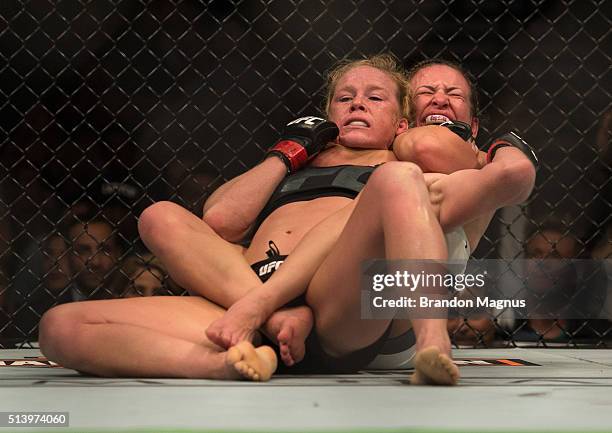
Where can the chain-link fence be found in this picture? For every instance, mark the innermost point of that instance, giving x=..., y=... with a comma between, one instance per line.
x=107, y=106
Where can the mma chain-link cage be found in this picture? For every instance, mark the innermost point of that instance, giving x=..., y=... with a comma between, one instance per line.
x=109, y=106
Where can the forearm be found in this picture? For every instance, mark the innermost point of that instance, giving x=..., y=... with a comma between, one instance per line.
x=436, y=149
x=468, y=194
x=233, y=207
x=232, y=210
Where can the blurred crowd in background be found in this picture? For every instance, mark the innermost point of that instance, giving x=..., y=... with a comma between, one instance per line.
x=109, y=106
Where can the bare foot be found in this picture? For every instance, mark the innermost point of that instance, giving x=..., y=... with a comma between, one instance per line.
x=291, y=328
x=434, y=368
x=239, y=323
x=257, y=364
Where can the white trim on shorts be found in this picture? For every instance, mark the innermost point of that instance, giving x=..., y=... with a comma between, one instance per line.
x=458, y=250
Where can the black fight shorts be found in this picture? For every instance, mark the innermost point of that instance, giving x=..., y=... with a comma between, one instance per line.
x=316, y=360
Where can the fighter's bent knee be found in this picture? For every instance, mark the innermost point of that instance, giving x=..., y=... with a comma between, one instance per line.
x=159, y=219
x=391, y=176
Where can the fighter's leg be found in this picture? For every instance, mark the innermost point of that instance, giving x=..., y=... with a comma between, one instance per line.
x=433, y=367
x=259, y=306
x=392, y=191
x=200, y=260
x=289, y=328
x=149, y=337
x=196, y=257
x=393, y=219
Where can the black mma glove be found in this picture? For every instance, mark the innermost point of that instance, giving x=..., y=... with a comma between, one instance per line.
x=302, y=139
x=462, y=129
x=513, y=140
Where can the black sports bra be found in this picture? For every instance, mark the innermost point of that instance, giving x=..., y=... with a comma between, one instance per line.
x=315, y=182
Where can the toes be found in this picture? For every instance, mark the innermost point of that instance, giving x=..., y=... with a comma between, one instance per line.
x=252, y=363
x=289, y=354
x=287, y=358
x=435, y=368
x=240, y=367
x=450, y=367
x=298, y=354
x=283, y=336
x=252, y=374
x=234, y=356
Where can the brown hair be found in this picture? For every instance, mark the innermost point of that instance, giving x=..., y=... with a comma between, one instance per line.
x=474, y=108
x=133, y=266
x=387, y=63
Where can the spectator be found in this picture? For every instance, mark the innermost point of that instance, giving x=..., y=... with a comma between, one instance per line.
x=42, y=284
x=146, y=276
x=472, y=326
x=94, y=259
x=56, y=266
x=474, y=331
x=551, y=280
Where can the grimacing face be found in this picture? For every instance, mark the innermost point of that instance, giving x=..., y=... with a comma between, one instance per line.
x=439, y=92
x=366, y=108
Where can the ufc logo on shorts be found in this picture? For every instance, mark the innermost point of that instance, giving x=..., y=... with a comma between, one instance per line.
x=270, y=267
x=308, y=120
